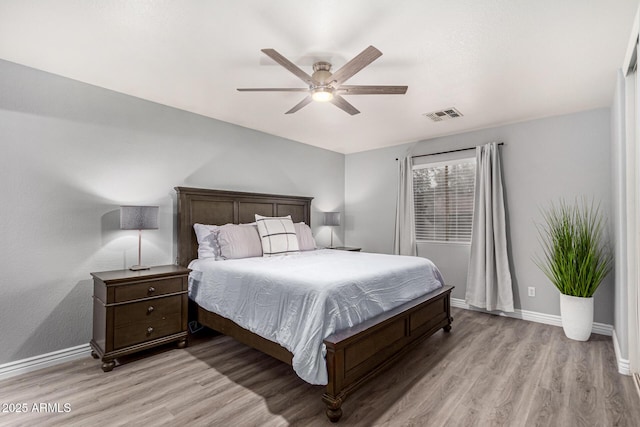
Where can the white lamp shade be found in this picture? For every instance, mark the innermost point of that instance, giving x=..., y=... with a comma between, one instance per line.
x=332, y=218
x=138, y=217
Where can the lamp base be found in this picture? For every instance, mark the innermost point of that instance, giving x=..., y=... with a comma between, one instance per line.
x=139, y=267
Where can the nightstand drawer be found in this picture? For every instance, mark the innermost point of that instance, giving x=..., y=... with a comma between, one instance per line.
x=147, y=289
x=135, y=333
x=149, y=310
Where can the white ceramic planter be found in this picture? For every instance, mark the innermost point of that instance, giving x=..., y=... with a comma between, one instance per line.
x=577, y=316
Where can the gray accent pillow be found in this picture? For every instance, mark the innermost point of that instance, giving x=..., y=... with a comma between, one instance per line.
x=306, y=242
x=239, y=241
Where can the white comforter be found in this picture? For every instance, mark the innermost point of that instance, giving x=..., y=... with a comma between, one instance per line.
x=298, y=300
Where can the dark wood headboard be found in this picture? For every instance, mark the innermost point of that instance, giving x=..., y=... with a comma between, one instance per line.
x=218, y=207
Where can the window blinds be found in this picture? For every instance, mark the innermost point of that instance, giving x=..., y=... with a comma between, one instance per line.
x=443, y=199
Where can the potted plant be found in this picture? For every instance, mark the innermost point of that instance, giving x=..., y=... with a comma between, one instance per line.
x=576, y=258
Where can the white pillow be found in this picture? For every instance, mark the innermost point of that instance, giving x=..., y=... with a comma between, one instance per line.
x=278, y=235
x=207, y=236
x=306, y=242
x=239, y=241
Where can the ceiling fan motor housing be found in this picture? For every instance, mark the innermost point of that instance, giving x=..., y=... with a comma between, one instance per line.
x=321, y=73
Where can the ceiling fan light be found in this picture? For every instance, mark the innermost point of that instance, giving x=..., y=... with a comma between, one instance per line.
x=322, y=95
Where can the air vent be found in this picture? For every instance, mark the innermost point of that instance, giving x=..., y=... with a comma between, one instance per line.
x=449, y=113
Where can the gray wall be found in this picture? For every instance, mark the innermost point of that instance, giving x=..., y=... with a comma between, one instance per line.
x=543, y=160
x=73, y=153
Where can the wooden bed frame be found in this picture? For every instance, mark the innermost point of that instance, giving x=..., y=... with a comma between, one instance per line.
x=354, y=355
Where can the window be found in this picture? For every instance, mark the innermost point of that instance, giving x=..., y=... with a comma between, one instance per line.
x=443, y=200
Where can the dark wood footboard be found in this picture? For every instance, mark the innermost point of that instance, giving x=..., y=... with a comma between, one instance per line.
x=358, y=354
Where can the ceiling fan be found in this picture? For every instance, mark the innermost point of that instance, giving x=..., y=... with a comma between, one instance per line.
x=325, y=86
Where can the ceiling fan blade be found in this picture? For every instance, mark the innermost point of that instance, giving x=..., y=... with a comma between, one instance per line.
x=372, y=90
x=300, y=104
x=342, y=103
x=363, y=59
x=272, y=89
x=271, y=53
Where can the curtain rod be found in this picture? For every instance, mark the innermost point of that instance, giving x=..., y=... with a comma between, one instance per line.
x=447, y=152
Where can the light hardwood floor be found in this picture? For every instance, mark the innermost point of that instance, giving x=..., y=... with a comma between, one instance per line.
x=489, y=371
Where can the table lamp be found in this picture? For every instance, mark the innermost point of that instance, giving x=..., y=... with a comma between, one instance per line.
x=332, y=219
x=139, y=218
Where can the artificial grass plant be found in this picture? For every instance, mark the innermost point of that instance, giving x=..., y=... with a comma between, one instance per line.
x=576, y=255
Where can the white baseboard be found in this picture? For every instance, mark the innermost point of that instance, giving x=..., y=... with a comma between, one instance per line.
x=43, y=361
x=623, y=364
x=533, y=316
x=555, y=320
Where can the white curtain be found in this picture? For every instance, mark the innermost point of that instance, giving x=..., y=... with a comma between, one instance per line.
x=489, y=277
x=404, y=242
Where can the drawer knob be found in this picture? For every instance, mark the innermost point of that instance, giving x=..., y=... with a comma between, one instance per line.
x=151, y=289
x=149, y=330
x=150, y=309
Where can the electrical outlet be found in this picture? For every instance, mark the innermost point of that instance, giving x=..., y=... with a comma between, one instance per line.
x=532, y=291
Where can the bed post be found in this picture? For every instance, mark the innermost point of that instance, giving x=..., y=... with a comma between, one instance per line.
x=334, y=407
x=447, y=328
x=333, y=397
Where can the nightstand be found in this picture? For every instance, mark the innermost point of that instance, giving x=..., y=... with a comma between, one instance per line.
x=136, y=310
x=346, y=248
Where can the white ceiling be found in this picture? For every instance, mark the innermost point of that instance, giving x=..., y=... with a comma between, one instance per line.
x=497, y=61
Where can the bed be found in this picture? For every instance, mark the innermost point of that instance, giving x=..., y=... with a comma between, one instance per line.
x=354, y=354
